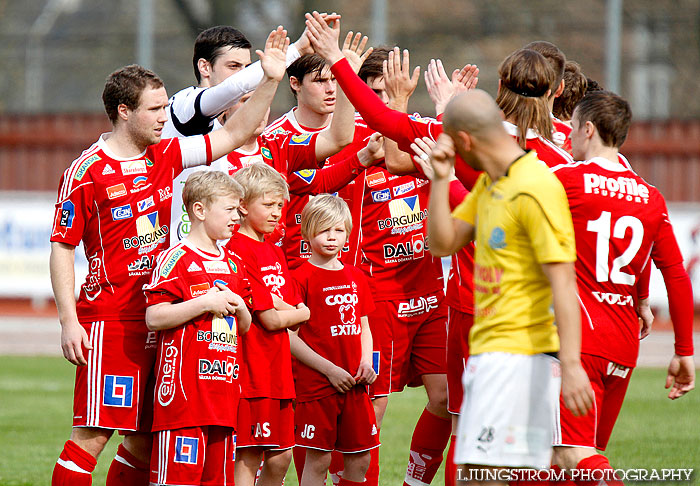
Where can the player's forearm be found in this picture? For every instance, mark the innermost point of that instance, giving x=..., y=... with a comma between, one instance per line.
x=167, y=315
x=397, y=161
x=244, y=319
x=441, y=231
x=62, y=270
x=366, y=341
x=275, y=320
x=341, y=130
x=333, y=178
x=562, y=277
x=302, y=352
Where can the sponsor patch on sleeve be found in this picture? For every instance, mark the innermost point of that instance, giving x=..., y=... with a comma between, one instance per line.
x=307, y=175
x=170, y=262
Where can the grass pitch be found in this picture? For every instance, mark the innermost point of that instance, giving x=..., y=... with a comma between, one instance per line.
x=35, y=419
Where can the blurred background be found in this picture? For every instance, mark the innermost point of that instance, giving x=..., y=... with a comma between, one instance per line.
x=56, y=54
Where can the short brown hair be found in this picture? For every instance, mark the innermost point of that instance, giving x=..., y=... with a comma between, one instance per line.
x=610, y=113
x=259, y=179
x=306, y=64
x=322, y=212
x=213, y=42
x=124, y=87
x=554, y=56
x=205, y=185
x=373, y=67
x=575, y=85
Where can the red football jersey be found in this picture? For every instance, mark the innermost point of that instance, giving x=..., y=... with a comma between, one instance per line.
x=617, y=218
x=120, y=209
x=240, y=158
x=547, y=151
x=337, y=300
x=198, y=365
x=268, y=370
x=460, y=283
x=561, y=133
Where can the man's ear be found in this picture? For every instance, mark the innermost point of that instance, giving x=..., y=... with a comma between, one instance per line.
x=591, y=130
x=294, y=83
x=559, y=90
x=464, y=140
x=123, y=112
x=204, y=68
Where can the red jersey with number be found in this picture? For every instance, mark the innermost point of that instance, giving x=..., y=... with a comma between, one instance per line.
x=198, y=365
x=268, y=359
x=120, y=209
x=337, y=300
x=617, y=218
x=459, y=294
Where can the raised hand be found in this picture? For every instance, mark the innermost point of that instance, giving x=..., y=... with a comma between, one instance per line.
x=303, y=44
x=373, y=151
x=323, y=37
x=442, y=157
x=352, y=50
x=274, y=58
x=398, y=80
x=422, y=148
x=441, y=89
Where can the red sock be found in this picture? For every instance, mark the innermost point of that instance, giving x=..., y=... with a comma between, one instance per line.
x=74, y=466
x=345, y=482
x=336, y=467
x=450, y=466
x=299, y=455
x=372, y=476
x=127, y=470
x=429, y=440
x=600, y=472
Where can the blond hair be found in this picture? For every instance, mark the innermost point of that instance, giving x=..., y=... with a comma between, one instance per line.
x=322, y=212
x=204, y=186
x=259, y=179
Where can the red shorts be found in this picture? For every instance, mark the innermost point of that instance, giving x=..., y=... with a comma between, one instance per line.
x=343, y=421
x=410, y=337
x=609, y=381
x=458, y=326
x=195, y=455
x=110, y=392
x=265, y=422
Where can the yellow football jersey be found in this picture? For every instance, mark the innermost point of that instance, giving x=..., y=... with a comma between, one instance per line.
x=522, y=220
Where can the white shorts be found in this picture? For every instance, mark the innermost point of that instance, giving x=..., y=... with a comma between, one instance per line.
x=507, y=415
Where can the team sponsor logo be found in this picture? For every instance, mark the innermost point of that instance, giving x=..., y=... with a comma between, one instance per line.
x=84, y=166
x=107, y=170
x=375, y=361
x=216, y=267
x=375, y=179
x=118, y=391
x=149, y=234
x=145, y=204
x=307, y=175
x=186, y=449
x=404, y=189
x=219, y=369
x=626, y=188
x=613, y=299
x=92, y=285
x=405, y=250
x=167, y=387
x=417, y=306
x=199, y=289
x=151, y=340
x=422, y=182
x=194, y=267
x=381, y=196
x=149, y=162
x=169, y=264
x=301, y=139
x=615, y=369
x=133, y=167
x=232, y=264
x=114, y=192
x=223, y=335
x=497, y=240
x=67, y=214
x=418, y=246
x=140, y=181
x=346, y=308
x=266, y=152
x=122, y=212
x=165, y=193
x=406, y=216
x=274, y=282
x=417, y=118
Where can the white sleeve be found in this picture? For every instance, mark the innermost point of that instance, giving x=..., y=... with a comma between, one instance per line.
x=221, y=97
x=193, y=150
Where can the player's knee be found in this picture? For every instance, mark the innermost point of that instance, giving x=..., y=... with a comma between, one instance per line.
x=356, y=464
x=139, y=445
x=279, y=462
x=90, y=439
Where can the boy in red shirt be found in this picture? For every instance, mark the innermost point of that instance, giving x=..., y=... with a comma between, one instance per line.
x=196, y=300
x=334, y=349
x=265, y=414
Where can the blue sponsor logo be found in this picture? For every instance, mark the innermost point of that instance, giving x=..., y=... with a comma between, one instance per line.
x=375, y=361
x=67, y=214
x=404, y=188
x=186, y=449
x=497, y=240
x=307, y=175
x=118, y=391
x=381, y=196
x=122, y=212
x=301, y=139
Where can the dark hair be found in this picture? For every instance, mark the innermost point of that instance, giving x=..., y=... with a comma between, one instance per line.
x=373, y=67
x=593, y=85
x=526, y=77
x=306, y=64
x=575, y=86
x=610, y=113
x=554, y=55
x=124, y=86
x=210, y=44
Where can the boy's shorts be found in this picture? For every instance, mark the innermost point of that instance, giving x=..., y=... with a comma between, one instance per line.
x=458, y=326
x=508, y=410
x=265, y=422
x=410, y=336
x=343, y=422
x=195, y=455
x=111, y=391
x=609, y=381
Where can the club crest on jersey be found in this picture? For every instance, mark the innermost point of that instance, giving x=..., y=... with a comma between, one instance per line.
x=118, y=391
x=199, y=289
x=301, y=139
x=122, y=212
x=84, y=166
x=67, y=214
x=149, y=162
x=381, y=196
x=375, y=179
x=404, y=189
x=149, y=234
x=215, y=266
x=114, y=192
x=186, y=449
x=306, y=175
x=170, y=262
x=145, y=204
x=497, y=240
x=266, y=153
x=232, y=264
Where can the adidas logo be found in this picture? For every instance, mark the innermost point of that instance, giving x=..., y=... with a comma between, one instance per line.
x=374, y=430
x=194, y=267
x=107, y=170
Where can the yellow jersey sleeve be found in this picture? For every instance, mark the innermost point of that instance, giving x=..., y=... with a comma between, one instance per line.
x=466, y=211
